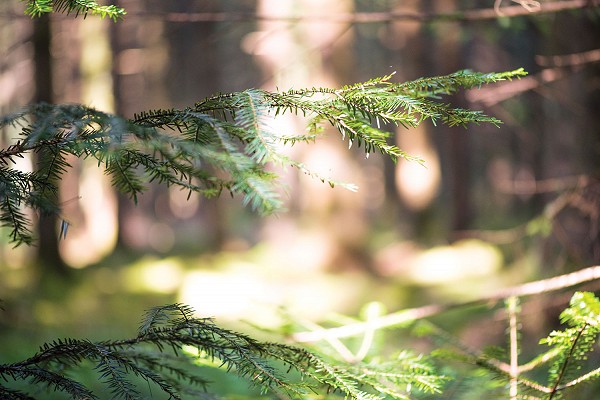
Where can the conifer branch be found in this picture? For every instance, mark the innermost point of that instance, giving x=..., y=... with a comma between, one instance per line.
x=36, y=8
x=224, y=142
x=570, y=349
x=172, y=329
x=575, y=342
x=565, y=363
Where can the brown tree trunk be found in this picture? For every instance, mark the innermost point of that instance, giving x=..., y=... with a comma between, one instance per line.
x=48, y=256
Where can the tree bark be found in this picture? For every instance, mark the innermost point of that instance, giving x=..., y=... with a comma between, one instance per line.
x=47, y=256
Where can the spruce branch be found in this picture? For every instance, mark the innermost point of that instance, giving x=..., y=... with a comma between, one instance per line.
x=570, y=349
x=575, y=342
x=172, y=329
x=36, y=8
x=224, y=142
x=565, y=362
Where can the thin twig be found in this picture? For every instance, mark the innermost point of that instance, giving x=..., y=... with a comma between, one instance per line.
x=367, y=342
x=569, y=60
x=559, y=67
x=555, y=388
x=582, y=378
x=551, y=210
x=373, y=17
x=335, y=343
x=489, y=363
x=550, y=354
x=513, y=306
x=411, y=314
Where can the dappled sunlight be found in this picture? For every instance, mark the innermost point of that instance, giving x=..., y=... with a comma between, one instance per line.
x=463, y=268
x=89, y=203
x=154, y=275
x=317, y=197
x=293, y=55
x=252, y=295
x=14, y=258
x=95, y=64
x=255, y=285
x=13, y=268
x=464, y=259
x=93, y=233
x=417, y=184
x=455, y=265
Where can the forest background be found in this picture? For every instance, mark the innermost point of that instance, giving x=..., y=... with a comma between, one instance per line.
x=490, y=208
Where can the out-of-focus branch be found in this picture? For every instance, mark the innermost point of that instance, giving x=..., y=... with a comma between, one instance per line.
x=572, y=186
x=569, y=60
x=404, y=316
x=559, y=67
x=529, y=5
x=386, y=16
x=550, y=185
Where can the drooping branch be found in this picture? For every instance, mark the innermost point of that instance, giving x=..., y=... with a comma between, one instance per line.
x=225, y=142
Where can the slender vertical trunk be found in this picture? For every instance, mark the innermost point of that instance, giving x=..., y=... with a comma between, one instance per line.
x=48, y=256
x=445, y=56
x=115, y=47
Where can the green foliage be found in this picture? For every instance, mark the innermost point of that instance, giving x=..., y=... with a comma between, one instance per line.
x=397, y=378
x=36, y=8
x=224, y=142
x=174, y=329
x=573, y=345
x=491, y=369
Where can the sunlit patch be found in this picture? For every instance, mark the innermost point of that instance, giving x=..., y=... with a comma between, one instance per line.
x=416, y=184
x=92, y=237
x=255, y=291
x=158, y=276
x=96, y=62
x=462, y=260
x=226, y=295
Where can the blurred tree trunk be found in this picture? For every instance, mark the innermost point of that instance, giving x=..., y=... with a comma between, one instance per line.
x=192, y=78
x=412, y=187
x=445, y=50
x=570, y=147
x=126, y=91
x=160, y=64
x=48, y=256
